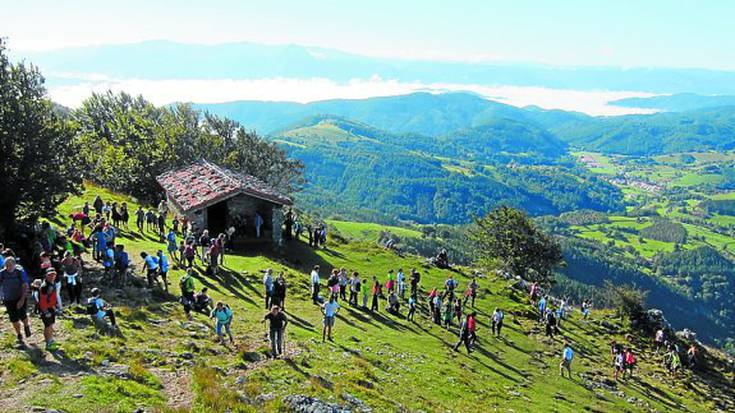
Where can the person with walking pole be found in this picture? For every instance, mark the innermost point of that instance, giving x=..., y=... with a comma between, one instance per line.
x=277, y=322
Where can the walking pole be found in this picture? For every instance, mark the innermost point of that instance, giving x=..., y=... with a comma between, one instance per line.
x=283, y=342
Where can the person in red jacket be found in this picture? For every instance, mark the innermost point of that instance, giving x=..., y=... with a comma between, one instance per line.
x=48, y=307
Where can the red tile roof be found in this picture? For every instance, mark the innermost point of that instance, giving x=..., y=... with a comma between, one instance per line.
x=202, y=184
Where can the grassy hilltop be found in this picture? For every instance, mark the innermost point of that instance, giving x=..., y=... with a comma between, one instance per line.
x=164, y=362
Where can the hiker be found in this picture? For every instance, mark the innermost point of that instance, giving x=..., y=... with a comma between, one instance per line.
x=150, y=219
x=116, y=217
x=437, y=309
x=333, y=283
x=122, y=262
x=355, y=286
x=330, y=309
x=204, y=243
x=497, y=321
x=100, y=245
x=35, y=293
x=458, y=310
x=222, y=314
x=258, y=224
x=268, y=287
x=542, y=309
x=464, y=336
x=189, y=253
x=279, y=292
x=630, y=362
x=315, y=285
x=448, y=313
x=471, y=292
x=124, y=215
x=214, y=255
x=534, y=292
x=692, y=355
x=186, y=285
x=150, y=265
x=566, y=359
x=171, y=245
x=343, y=282
x=108, y=260
x=401, y=282
x=586, y=309
x=221, y=243
x=202, y=301
x=161, y=224
x=163, y=268
x=450, y=284
x=550, y=324
x=394, y=306
x=390, y=284
x=72, y=272
x=411, y=309
x=674, y=363
x=472, y=326
x=98, y=308
x=415, y=279
x=277, y=323
x=48, y=307
x=14, y=282
x=107, y=211
x=618, y=365
x=98, y=204
x=377, y=292
x=365, y=292
x=659, y=339
x=139, y=218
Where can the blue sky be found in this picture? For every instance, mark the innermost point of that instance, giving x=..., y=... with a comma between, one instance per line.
x=648, y=33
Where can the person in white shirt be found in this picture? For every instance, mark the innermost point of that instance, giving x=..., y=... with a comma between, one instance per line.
x=330, y=310
x=315, y=285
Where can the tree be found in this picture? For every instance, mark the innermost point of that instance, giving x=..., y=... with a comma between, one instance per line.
x=627, y=300
x=127, y=141
x=508, y=237
x=37, y=154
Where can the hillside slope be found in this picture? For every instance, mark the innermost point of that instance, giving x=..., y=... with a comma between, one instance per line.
x=167, y=363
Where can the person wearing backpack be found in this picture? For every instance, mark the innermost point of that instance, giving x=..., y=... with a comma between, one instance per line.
x=72, y=272
x=567, y=355
x=190, y=253
x=630, y=362
x=48, y=307
x=150, y=265
x=222, y=314
x=15, y=286
x=186, y=284
x=497, y=321
x=99, y=309
x=415, y=280
x=279, y=292
x=411, y=309
x=550, y=324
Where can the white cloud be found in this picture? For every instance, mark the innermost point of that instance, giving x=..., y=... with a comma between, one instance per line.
x=309, y=90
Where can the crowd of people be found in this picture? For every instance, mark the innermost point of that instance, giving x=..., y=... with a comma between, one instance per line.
x=59, y=280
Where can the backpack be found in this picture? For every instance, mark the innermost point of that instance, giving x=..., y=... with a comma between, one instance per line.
x=92, y=307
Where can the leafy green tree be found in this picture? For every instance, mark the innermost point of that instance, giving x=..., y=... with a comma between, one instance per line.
x=508, y=237
x=37, y=154
x=126, y=141
x=628, y=301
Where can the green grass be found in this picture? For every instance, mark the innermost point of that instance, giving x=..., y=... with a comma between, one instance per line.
x=386, y=361
x=363, y=231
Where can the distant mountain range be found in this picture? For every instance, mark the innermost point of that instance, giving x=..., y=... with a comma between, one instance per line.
x=450, y=113
x=679, y=102
x=169, y=60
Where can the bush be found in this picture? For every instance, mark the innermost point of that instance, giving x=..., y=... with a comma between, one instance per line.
x=628, y=301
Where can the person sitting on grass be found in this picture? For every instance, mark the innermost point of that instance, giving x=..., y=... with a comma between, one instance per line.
x=330, y=309
x=99, y=309
x=567, y=355
x=394, y=306
x=48, y=307
x=222, y=314
x=203, y=302
x=277, y=323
